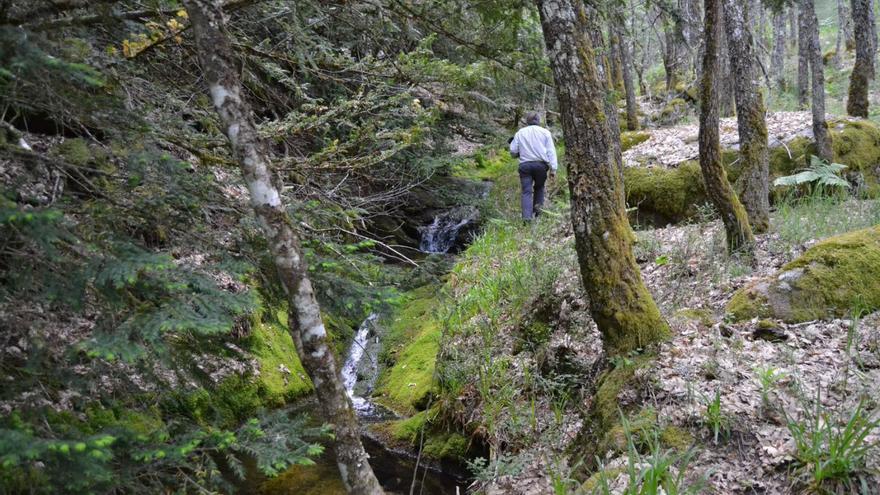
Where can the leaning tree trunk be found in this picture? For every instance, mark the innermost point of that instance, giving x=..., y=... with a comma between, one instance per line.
x=736, y=222
x=863, y=70
x=304, y=317
x=620, y=304
x=817, y=70
x=777, y=61
x=750, y=115
x=803, y=57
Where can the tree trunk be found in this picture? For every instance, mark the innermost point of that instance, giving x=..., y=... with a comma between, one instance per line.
x=777, y=62
x=724, y=81
x=750, y=115
x=621, y=306
x=736, y=222
x=793, y=24
x=863, y=70
x=304, y=317
x=625, y=56
x=844, y=14
x=632, y=110
x=803, y=52
x=817, y=70
x=616, y=58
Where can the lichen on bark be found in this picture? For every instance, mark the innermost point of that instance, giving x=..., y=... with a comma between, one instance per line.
x=722, y=195
x=621, y=306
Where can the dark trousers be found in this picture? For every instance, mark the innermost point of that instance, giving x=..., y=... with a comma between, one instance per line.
x=532, y=176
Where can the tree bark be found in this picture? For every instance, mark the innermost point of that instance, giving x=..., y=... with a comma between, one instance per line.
x=777, y=62
x=753, y=184
x=803, y=52
x=304, y=317
x=632, y=109
x=616, y=58
x=846, y=32
x=625, y=56
x=817, y=70
x=863, y=70
x=621, y=306
x=722, y=195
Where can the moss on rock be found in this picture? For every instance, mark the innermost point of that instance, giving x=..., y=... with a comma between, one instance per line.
x=630, y=139
x=673, y=194
x=828, y=280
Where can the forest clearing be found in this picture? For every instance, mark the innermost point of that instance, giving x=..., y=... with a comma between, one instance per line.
x=432, y=247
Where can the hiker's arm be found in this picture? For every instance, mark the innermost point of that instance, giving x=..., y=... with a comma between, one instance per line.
x=514, y=146
x=551, y=153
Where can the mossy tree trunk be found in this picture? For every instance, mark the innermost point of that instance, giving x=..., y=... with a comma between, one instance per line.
x=722, y=195
x=863, y=70
x=306, y=325
x=620, y=304
x=777, y=59
x=616, y=59
x=817, y=71
x=803, y=58
x=632, y=109
x=753, y=183
x=624, y=47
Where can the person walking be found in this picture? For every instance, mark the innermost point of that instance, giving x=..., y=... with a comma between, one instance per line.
x=533, y=145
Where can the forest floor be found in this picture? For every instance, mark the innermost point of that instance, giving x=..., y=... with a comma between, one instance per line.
x=720, y=399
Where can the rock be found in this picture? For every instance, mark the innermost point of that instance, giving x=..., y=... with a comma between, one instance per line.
x=828, y=280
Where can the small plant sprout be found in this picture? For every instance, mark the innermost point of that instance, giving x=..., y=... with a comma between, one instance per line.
x=715, y=418
x=767, y=376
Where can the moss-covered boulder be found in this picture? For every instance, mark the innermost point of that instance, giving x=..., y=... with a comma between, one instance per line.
x=828, y=280
x=674, y=110
x=669, y=195
x=629, y=139
x=666, y=195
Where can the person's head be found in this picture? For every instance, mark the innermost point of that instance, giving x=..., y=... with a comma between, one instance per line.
x=533, y=118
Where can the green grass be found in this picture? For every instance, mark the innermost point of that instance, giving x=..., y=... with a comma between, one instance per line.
x=832, y=447
x=410, y=352
x=798, y=220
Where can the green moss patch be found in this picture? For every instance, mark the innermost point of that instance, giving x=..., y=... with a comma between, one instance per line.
x=410, y=353
x=438, y=444
x=630, y=139
x=281, y=372
x=321, y=479
x=672, y=194
x=828, y=280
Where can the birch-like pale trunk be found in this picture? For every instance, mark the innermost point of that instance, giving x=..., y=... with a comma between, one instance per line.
x=304, y=316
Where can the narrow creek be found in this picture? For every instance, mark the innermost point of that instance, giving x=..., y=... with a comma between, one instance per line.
x=395, y=468
x=398, y=469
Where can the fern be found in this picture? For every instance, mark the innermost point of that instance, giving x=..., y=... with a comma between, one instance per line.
x=820, y=172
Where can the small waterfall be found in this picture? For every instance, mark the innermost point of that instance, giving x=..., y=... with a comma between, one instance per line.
x=353, y=363
x=442, y=235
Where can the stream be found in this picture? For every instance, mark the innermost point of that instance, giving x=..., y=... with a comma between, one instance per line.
x=394, y=468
